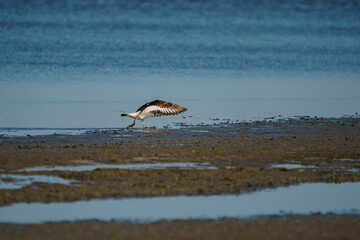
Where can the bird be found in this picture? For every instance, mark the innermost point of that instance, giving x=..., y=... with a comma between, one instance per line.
x=155, y=108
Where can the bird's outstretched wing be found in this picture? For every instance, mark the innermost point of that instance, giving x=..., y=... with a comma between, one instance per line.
x=155, y=102
x=159, y=108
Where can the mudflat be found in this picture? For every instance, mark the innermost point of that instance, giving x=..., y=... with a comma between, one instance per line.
x=234, y=157
x=328, y=227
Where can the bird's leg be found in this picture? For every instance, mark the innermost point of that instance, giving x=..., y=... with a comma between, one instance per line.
x=144, y=124
x=131, y=125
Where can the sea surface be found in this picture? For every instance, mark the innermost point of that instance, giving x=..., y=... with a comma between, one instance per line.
x=80, y=64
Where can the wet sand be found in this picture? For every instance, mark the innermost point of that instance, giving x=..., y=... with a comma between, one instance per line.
x=295, y=228
x=241, y=155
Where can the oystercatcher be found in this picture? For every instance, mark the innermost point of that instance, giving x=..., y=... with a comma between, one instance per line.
x=155, y=108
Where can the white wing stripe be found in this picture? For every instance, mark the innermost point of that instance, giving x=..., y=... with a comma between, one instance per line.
x=158, y=111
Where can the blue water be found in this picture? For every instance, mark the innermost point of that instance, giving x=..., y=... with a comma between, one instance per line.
x=20, y=181
x=138, y=166
x=83, y=63
x=307, y=198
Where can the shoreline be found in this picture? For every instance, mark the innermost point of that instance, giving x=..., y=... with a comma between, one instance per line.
x=241, y=153
x=241, y=157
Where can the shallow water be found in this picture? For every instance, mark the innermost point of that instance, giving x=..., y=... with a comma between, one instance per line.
x=354, y=170
x=348, y=159
x=291, y=166
x=138, y=166
x=300, y=166
x=14, y=181
x=18, y=132
x=77, y=64
x=307, y=198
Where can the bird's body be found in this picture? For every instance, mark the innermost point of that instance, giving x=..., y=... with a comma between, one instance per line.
x=155, y=108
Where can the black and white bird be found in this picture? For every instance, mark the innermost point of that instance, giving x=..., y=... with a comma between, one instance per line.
x=155, y=108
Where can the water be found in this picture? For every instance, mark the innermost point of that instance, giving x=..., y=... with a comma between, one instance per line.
x=291, y=166
x=14, y=181
x=354, y=170
x=138, y=166
x=348, y=159
x=300, y=166
x=74, y=64
x=18, y=132
x=306, y=198
x=19, y=181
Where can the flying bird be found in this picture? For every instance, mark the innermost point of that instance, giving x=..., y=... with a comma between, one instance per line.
x=155, y=108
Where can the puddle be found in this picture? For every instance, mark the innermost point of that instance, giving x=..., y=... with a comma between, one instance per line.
x=314, y=158
x=13, y=181
x=302, y=199
x=354, y=170
x=347, y=159
x=142, y=159
x=199, y=131
x=336, y=159
x=300, y=166
x=143, y=166
x=291, y=166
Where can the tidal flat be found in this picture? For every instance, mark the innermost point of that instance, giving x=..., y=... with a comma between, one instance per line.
x=230, y=158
